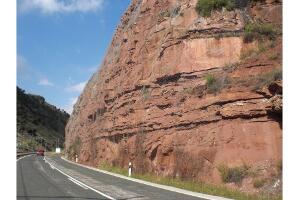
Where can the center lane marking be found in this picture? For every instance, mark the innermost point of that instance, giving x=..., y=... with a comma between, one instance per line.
x=79, y=182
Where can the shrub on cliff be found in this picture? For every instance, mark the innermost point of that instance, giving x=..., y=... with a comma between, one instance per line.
x=258, y=183
x=268, y=78
x=74, y=148
x=233, y=175
x=258, y=31
x=213, y=84
x=146, y=93
x=205, y=7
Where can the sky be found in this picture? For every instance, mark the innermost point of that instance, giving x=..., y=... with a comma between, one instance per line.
x=61, y=43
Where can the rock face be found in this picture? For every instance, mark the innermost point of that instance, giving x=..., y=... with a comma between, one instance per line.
x=150, y=103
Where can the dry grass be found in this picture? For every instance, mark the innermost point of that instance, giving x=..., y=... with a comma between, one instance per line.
x=218, y=190
x=257, y=31
x=74, y=149
x=258, y=183
x=233, y=175
x=205, y=7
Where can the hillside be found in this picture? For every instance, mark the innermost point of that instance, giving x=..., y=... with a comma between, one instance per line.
x=189, y=90
x=38, y=122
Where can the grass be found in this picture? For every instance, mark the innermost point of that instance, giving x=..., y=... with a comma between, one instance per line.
x=213, y=84
x=205, y=7
x=258, y=31
x=107, y=167
x=218, y=190
x=248, y=54
x=255, y=82
x=188, y=90
x=74, y=148
x=267, y=78
x=262, y=47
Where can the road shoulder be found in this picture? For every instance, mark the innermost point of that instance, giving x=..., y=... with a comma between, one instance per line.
x=164, y=187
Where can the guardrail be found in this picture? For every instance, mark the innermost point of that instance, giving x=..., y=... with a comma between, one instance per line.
x=19, y=154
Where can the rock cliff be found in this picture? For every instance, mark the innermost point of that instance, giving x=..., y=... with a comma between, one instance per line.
x=179, y=94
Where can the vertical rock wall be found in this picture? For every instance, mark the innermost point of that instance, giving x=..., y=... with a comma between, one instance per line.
x=150, y=102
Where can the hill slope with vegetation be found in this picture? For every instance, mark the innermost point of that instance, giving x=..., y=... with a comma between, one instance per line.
x=38, y=122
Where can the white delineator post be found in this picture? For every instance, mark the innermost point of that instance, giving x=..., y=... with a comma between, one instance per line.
x=76, y=158
x=129, y=169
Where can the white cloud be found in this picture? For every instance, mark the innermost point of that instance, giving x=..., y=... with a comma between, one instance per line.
x=77, y=87
x=60, y=6
x=45, y=82
x=69, y=107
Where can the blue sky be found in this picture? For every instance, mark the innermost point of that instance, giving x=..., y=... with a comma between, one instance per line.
x=61, y=43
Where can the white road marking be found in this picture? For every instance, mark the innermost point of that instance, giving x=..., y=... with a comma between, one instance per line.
x=24, y=157
x=105, y=195
x=51, y=166
x=77, y=183
x=49, y=163
x=165, y=187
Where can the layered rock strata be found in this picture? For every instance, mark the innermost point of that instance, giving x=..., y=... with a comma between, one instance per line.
x=150, y=102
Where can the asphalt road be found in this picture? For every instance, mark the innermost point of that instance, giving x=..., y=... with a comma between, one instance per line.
x=54, y=178
x=37, y=180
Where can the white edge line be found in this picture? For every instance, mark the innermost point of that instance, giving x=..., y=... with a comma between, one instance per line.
x=77, y=183
x=165, y=187
x=24, y=157
x=105, y=195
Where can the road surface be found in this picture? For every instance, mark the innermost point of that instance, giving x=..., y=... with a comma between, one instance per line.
x=54, y=178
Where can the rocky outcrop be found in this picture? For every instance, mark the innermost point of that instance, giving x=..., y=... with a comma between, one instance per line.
x=150, y=102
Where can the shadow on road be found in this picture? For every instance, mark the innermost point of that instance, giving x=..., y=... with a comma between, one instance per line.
x=57, y=197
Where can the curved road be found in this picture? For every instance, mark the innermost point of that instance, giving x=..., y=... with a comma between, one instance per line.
x=37, y=180
x=54, y=178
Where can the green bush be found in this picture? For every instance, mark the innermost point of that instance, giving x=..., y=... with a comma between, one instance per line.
x=268, y=78
x=205, y=7
x=233, y=175
x=257, y=31
x=213, y=85
x=210, y=79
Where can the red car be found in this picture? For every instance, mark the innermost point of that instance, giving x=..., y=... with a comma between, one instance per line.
x=40, y=152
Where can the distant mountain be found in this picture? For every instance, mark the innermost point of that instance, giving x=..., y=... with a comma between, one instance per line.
x=38, y=122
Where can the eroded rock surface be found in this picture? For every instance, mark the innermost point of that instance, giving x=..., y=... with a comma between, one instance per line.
x=150, y=104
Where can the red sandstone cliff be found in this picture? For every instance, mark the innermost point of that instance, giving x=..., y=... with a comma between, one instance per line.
x=150, y=102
